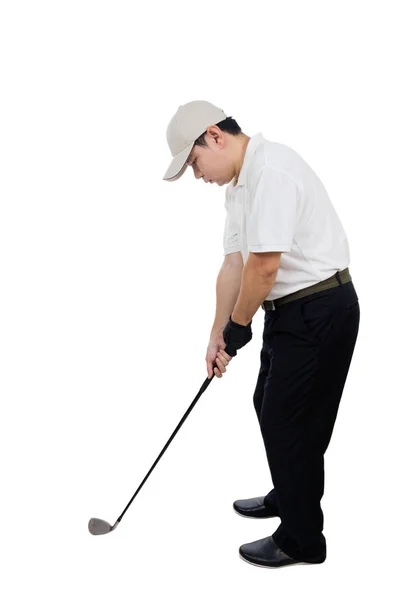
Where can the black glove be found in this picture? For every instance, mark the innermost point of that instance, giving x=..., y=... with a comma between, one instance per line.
x=236, y=336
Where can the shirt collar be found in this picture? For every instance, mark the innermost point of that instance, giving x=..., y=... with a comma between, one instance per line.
x=253, y=144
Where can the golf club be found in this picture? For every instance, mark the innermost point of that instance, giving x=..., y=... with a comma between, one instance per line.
x=100, y=527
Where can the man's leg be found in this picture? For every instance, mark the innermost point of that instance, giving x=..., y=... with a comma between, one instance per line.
x=270, y=499
x=310, y=361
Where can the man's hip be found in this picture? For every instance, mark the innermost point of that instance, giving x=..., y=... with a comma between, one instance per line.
x=339, y=278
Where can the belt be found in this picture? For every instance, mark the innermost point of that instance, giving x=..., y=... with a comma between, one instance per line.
x=339, y=278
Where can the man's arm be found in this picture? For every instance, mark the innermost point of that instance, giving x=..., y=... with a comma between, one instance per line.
x=227, y=290
x=258, y=278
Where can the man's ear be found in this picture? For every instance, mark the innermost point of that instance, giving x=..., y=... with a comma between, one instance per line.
x=215, y=133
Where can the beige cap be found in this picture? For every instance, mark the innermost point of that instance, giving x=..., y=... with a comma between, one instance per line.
x=187, y=124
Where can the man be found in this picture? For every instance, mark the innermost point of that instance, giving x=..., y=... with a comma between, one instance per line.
x=285, y=249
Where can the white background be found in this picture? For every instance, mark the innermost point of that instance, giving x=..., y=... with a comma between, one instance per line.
x=108, y=294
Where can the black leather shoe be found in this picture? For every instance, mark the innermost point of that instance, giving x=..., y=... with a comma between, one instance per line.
x=265, y=553
x=255, y=508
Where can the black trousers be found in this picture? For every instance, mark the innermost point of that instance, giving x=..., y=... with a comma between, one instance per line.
x=307, y=350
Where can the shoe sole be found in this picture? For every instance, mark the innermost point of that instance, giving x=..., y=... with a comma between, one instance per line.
x=251, y=517
x=277, y=567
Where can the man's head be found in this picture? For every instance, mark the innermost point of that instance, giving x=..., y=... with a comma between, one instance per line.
x=202, y=135
x=217, y=155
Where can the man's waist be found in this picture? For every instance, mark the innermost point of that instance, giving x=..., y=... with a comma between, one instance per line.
x=333, y=281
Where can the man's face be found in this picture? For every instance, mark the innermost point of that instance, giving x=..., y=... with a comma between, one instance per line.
x=212, y=163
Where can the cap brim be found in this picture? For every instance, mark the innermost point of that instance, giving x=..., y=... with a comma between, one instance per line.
x=178, y=164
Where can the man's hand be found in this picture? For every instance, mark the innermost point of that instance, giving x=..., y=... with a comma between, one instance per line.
x=236, y=336
x=217, y=354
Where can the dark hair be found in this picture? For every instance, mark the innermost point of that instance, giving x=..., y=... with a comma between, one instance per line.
x=229, y=125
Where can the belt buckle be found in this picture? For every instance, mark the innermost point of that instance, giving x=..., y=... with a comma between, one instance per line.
x=270, y=302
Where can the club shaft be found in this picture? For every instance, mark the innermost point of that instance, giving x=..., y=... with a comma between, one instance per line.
x=202, y=389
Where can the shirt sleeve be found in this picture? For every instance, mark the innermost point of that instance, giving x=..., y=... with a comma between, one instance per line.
x=271, y=212
x=232, y=241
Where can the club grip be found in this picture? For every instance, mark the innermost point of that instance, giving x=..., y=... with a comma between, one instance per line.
x=229, y=350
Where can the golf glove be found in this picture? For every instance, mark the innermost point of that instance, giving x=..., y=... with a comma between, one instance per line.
x=236, y=336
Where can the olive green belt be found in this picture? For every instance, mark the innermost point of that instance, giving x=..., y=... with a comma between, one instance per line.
x=338, y=278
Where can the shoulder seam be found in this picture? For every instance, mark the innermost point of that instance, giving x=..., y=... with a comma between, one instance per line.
x=279, y=171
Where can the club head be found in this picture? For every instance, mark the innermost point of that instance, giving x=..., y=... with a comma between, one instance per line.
x=100, y=527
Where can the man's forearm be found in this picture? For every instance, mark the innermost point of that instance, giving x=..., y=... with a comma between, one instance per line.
x=254, y=290
x=227, y=291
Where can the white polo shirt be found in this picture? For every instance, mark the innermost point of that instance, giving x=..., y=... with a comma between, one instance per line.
x=280, y=204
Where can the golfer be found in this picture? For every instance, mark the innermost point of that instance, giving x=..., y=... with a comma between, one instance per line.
x=285, y=250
